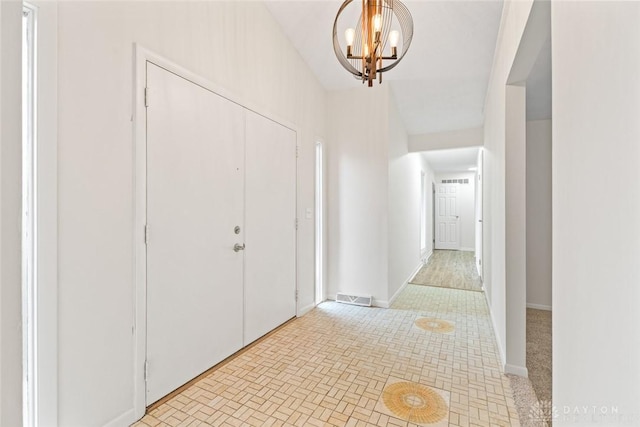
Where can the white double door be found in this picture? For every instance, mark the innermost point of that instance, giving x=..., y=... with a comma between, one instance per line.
x=218, y=175
x=447, y=217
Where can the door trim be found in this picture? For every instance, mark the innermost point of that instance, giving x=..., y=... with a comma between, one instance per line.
x=141, y=56
x=457, y=246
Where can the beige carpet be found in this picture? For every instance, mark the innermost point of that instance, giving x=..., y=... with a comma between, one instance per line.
x=539, y=352
x=450, y=269
x=526, y=402
x=532, y=395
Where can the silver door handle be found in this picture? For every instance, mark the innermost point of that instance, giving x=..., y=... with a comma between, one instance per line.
x=238, y=247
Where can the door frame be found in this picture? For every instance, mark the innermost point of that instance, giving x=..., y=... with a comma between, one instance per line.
x=436, y=205
x=141, y=56
x=433, y=216
x=480, y=214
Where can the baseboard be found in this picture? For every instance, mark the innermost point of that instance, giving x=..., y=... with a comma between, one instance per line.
x=374, y=302
x=404, y=285
x=384, y=303
x=521, y=371
x=304, y=310
x=123, y=420
x=380, y=303
x=426, y=256
x=393, y=298
x=539, y=307
x=503, y=358
x=468, y=249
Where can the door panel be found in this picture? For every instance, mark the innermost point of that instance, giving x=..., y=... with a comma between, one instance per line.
x=448, y=219
x=270, y=270
x=194, y=200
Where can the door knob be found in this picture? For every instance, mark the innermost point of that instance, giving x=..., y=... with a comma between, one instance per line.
x=238, y=247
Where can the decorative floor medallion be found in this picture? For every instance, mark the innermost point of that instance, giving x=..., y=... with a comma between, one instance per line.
x=434, y=325
x=414, y=403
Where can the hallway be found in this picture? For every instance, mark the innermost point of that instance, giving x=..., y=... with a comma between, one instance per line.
x=450, y=269
x=345, y=365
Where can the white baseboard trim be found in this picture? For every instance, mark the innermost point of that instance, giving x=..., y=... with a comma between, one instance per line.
x=539, y=307
x=468, y=249
x=304, y=310
x=123, y=420
x=380, y=303
x=374, y=302
x=521, y=371
x=404, y=285
x=384, y=303
x=426, y=256
x=393, y=298
x=503, y=358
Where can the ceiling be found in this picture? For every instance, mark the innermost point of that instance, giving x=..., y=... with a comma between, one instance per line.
x=441, y=83
x=457, y=160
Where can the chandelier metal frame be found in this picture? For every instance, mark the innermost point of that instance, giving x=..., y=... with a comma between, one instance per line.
x=366, y=44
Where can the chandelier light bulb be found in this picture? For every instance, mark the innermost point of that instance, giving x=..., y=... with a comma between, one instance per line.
x=394, y=37
x=350, y=34
x=377, y=23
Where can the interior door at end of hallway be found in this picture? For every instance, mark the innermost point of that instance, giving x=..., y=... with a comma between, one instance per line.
x=195, y=150
x=447, y=217
x=270, y=258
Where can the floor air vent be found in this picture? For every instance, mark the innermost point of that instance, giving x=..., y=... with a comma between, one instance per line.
x=364, y=301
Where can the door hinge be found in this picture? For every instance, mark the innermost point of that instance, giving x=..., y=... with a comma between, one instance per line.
x=296, y=295
x=296, y=223
x=146, y=234
x=146, y=96
x=146, y=369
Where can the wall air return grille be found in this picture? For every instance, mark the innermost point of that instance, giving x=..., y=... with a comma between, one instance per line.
x=455, y=181
x=363, y=300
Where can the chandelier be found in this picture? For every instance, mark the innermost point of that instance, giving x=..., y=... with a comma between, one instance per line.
x=381, y=23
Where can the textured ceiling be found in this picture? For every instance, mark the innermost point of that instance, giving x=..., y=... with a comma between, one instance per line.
x=441, y=83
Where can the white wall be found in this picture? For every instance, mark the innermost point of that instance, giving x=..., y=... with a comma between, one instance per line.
x=47, y=175
x=405, y=175
x=514, y=19
x=374, y=196
x=515, y=230
x=357, y=155
x=539, y=214
x=221, y=41
x=596, y=209
x=446, y=140
x=466, y=206
x=10, y=214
